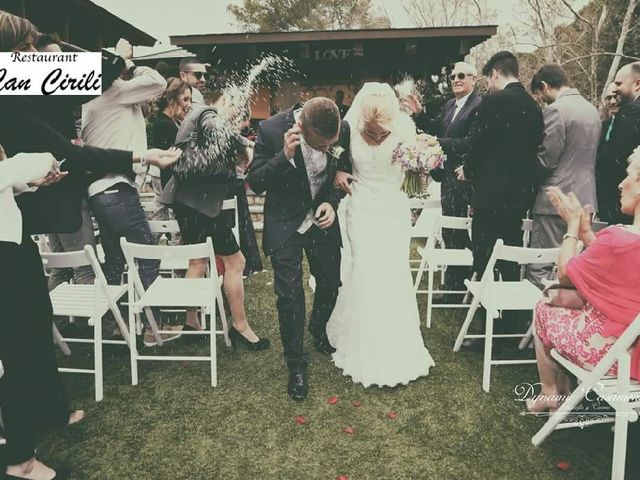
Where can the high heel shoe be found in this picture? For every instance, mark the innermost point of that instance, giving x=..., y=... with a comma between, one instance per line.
x=235, y=336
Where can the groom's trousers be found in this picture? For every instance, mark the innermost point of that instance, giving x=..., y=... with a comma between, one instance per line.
x=323, y=255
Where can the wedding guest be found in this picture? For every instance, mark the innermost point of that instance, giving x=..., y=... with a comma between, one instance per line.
x=567, y=157
x=59, y=113
x=609, y=106
x=342, y=108
x=115, y=120
x=451, y=126
x=623, y=136
x=605, y=301
x=195, y=74
x=31, y=397
x=173, y=106
x=502, y=159
x=197, y=202
x=248, y=241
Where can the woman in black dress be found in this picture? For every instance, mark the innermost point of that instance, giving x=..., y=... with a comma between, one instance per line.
x=31, y=394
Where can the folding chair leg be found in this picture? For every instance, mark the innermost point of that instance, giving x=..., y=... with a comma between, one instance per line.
x=524, y=343
x=212, y=338
x=133, y=347
x=429, y=294
x=488, y=345
x=97, y=358
x=554, y=420
x=153, y=324
x=619, y=446
x=421, y=268
x=223, y=318
x=57, y=337
x=467, y=321
x=120, y=321
x=468, y=294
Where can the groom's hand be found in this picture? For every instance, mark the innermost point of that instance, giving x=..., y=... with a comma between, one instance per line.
x=325, y=215
x=292, y=140
x=343, y=181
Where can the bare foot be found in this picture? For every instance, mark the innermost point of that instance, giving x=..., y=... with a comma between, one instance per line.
x=32, y=469
x=76, y=416
x=542, y=406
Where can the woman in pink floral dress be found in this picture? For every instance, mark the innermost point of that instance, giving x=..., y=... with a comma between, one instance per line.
x=606, y=275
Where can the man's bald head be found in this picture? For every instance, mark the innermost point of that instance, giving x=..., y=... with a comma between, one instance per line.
x=628, y=82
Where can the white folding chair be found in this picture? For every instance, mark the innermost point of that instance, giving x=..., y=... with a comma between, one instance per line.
x=498, y=296
x=434, y=258
x=424, y=226
x=621, y=393
x=204, y=293
x=3, y=441
x=88, y=301
x=161, y=227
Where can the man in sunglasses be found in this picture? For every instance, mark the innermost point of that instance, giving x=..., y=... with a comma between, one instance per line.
x=451, y=127
x=194, y=73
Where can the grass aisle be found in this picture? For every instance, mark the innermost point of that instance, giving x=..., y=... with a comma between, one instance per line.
x=173, y=425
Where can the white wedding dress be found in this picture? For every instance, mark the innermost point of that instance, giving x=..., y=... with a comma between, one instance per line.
x=375, y=326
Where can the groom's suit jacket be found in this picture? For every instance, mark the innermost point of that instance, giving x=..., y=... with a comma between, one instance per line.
x=288, y=193
x=451, y=133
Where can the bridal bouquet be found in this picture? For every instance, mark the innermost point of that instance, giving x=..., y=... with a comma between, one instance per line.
x=418, y=159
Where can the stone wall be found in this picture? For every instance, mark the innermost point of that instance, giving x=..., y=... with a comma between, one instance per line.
x=256, y=207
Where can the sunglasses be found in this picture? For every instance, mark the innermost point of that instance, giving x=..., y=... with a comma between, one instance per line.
x=459, y=76
x=198, y=75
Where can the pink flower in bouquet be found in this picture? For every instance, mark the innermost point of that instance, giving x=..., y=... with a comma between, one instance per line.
x=418, y=159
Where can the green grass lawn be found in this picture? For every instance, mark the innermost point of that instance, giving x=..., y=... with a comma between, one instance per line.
x=173, y=425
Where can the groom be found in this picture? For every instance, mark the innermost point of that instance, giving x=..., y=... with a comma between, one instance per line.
x=296, y=157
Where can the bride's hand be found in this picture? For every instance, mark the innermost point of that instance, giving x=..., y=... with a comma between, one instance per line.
x=325, y=215
x=343, y=181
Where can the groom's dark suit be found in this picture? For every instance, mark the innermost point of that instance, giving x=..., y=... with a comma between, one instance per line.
x=288, y=200
x=456, y=195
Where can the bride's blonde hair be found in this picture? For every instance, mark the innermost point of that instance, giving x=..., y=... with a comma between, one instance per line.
x=379, y=109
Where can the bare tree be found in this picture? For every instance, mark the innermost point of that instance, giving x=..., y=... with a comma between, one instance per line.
x=446, y=13
x=624, y=32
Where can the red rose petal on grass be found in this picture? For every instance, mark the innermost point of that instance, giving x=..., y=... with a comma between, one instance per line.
x=333, y=399
x=348, y=430
x=342, y=477
x=301, y=420
x=357, y=403
x=392, y=415
x=563, y=466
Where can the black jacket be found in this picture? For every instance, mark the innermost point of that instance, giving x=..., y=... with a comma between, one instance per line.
x=456, y=195
x=504, y=139
x=54, y=209
x=288, y=194
x=611, y=165
x=164, y=137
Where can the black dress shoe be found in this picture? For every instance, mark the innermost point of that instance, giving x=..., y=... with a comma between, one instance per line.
x=322, y=344
x=298, y=386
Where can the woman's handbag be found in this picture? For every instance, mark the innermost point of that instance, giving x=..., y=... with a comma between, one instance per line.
x=565, y=297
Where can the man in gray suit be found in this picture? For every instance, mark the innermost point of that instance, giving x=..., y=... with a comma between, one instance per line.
x=567, y=157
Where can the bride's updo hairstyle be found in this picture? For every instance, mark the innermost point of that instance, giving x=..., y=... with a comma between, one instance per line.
x=379, y=110
x=16, y=33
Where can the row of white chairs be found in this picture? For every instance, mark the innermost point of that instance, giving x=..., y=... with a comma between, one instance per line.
x=622, y=393
x=94, y=301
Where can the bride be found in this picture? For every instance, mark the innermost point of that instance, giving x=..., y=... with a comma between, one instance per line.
x=375, y=326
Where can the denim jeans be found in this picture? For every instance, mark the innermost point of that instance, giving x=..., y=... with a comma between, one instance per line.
x=119, y=214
